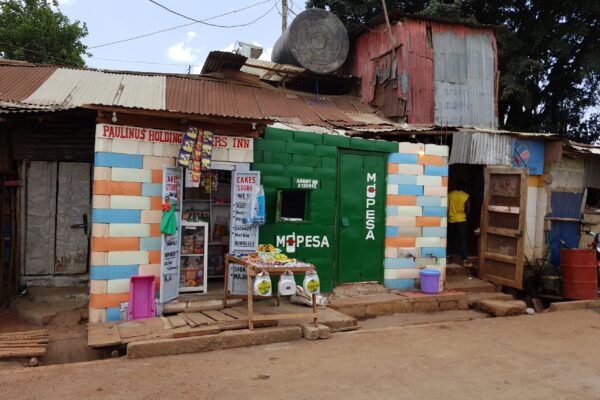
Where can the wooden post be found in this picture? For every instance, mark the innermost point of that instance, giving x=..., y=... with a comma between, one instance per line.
x=3, y=286
x=225, y=279
x=284, y=12
x=392, y=37
x=250, y=305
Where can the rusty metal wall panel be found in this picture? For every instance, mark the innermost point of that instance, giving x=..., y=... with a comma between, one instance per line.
x=592, y=173
x=18, y=82
x=74, y=88
x=464, y=76
x=481, y=148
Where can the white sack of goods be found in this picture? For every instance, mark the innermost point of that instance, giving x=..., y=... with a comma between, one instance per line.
x=262, y=284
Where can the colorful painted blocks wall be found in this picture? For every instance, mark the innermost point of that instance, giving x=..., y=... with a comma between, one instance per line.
x=416, y=209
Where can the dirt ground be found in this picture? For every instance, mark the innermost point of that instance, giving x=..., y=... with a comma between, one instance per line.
x=547, y=356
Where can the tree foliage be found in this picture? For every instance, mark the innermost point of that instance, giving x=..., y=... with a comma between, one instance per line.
x=36, y=31
x=548, y=53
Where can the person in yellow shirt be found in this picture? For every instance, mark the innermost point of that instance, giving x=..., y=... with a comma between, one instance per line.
x=458, y=208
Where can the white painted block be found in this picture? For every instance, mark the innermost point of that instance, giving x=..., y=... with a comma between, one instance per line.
x=391, y=252
x=130, y=202
x=392, y=189
x=407, y=211
x=444, y=202
x=436, y=150
x=98, y=258
x=100, y=201
x=441, y=262
x=97, y=315
x=410, y=169
x=411, y=148
x=401, y=221
x=220, y=155
x=404, y=252
x=429, y=180
x=98, y=286
x=410, y=231
x=129, y=230
x=128, y=146
x=443, y=221
x=151, y=217
x=401, y=273
x=103, y=145
x=127, y=257
x=102, y=173
x=428, y=242
x=435, y=191
x=239, y=155
x=118, y=286
x=422, y=262
x=166, y=150
x=100, y=230
x=153, y=162
x=131, y=175
x=532, y=200
x=149, y=269
x=443, y=242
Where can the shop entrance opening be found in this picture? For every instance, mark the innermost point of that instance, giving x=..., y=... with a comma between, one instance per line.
x=361, y=217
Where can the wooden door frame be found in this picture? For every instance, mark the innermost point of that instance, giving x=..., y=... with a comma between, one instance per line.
x=518, y=234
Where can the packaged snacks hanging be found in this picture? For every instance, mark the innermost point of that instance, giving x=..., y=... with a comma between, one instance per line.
x=312, y=284
x=254, y=213
x=187, y=146
x=262, y=284
x=287, y=284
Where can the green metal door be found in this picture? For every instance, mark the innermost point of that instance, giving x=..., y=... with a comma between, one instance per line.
x=361, y=217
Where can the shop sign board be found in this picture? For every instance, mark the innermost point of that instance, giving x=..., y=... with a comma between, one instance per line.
x=243, y=238
x=170, y=246
x=305, y=183
x=109, y=131
x=293, y=241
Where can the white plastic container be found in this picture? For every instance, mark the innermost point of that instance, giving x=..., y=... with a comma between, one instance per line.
x=262, y=284
x=311, y=284
x=287, y=284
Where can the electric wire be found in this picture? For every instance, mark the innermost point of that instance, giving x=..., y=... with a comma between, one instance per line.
x=178, y=26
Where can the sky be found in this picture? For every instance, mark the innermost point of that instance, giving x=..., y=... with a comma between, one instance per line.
x=175, y=50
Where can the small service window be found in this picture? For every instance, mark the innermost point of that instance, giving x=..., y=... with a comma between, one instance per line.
x=291, y=205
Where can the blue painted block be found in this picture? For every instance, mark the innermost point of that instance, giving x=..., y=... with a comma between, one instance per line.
x=410, y=190
x=439, y=252
x=402, y=284
x=436, y=171
x=400, y=158
x=435, y=232
x=391, y=231
x=408, y=262
x=402, y=179
x=118, y=160
x=116, y=216
x=433, y=201
x=101, y=272
x=113, y=314
x=434, y=211
x=391, y=210
x=150, y=243
x=151, y=189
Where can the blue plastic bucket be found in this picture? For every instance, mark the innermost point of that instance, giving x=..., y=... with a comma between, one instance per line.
x=430, y=281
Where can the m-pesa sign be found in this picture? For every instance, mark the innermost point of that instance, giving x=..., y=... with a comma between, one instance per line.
x=371, y=189
x=293, y=241
x=108, y=131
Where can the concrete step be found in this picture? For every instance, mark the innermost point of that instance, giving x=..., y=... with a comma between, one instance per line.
x=458, y=270
x=57, y=294
x=468, y=284
x=358, y=289
x=44, y=313
x=474, y=297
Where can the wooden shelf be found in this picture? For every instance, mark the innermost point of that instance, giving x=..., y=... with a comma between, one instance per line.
x=191, y=255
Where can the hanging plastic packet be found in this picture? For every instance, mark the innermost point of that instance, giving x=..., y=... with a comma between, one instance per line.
x=254, y=213
x=187, y=147
x=287, y=284
x=262, y=284
x=312, y=284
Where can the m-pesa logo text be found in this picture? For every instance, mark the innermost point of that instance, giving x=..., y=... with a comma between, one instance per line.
x=293, y=241
x=371, y=189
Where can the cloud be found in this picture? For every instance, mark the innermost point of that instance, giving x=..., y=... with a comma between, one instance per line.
x=191, y=35
x=178, y=52
x=266, y=54
x=229, y=48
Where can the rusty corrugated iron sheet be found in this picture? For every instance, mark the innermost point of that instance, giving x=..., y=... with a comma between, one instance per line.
x=483, y=148
x=465, y=75
x=17, y=82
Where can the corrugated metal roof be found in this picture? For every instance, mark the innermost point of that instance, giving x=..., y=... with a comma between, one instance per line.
x=480, y=148
x=74, y=88
x=17, y=82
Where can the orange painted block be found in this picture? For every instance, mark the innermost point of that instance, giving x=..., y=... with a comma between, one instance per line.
x=157, y=285
x=392, y=168
x=118, y=188
x=157, y=175
x=154, y=256
x=155, y=203
x=429, y=221
x=427, y=159
x=155, y=230
x=115, y=244
x=445, y=181
x=400, y=242
x=401, y=200
x=107, y=300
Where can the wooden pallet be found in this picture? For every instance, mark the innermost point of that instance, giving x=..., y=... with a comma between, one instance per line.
x=207, y=322
x=24, y=344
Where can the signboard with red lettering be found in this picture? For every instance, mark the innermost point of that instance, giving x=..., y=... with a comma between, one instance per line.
x=169, y=257
x=243, y=238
